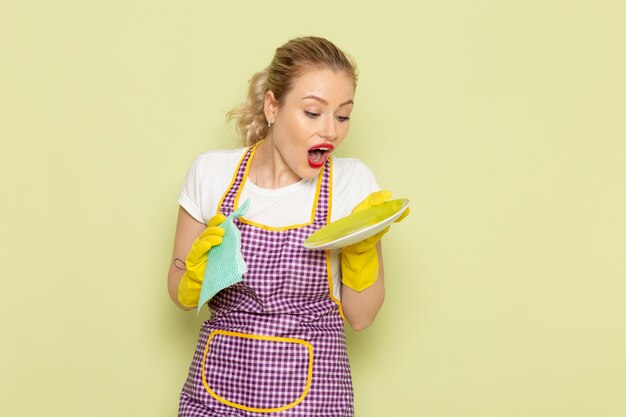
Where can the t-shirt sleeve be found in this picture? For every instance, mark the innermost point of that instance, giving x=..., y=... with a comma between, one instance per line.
x=207, y=179
x=189, y=197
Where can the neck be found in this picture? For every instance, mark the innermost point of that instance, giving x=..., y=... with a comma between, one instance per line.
x=268, y=169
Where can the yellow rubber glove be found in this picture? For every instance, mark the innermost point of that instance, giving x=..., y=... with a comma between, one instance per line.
x=359, y=261
x=191, y=282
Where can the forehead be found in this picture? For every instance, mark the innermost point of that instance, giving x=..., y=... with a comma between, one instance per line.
x=332, y=86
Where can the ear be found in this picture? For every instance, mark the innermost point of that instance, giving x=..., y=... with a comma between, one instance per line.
x=270, y=107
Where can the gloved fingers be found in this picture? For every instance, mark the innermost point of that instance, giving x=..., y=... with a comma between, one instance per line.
x=379, y=197
x=367, y=244
x=201, y=247
x=219, y=218
x=374, y=199
x=406, y=213
x=197, y=254
x=213, y=240
x=212, y=231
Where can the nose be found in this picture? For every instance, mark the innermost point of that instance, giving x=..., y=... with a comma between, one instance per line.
x=328, y=130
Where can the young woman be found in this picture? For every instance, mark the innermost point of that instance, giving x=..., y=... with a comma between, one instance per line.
x=275, y=341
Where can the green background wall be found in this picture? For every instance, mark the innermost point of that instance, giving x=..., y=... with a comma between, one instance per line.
x=502, y=121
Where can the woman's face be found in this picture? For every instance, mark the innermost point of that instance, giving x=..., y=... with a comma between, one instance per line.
x=311, y=121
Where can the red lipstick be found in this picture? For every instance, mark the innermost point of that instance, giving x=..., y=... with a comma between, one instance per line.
x=318, y=154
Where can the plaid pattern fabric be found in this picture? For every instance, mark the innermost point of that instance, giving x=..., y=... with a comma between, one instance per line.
x=275, y=343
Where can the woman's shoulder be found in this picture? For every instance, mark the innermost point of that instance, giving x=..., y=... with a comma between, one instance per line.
x=351, y=169
x=220, y=157
x=206, y=179
x=353, y=180
x=217, y=162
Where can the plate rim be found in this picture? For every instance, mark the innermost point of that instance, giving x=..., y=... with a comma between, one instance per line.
x=332, y=244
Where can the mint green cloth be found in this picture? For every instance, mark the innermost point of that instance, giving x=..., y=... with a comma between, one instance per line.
x=225, y=265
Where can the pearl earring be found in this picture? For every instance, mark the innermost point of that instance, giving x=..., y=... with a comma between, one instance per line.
x=269, y=123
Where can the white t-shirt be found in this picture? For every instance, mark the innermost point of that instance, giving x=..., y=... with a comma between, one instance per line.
x=211, y=174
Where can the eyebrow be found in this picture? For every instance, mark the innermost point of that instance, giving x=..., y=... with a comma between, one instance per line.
x=321, y=100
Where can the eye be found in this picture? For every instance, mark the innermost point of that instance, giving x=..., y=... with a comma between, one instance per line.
x=343, y=118
x=311, y=114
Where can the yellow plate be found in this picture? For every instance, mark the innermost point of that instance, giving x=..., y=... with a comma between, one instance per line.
x=358, y=226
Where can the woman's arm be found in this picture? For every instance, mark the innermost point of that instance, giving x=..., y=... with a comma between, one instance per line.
x=361, y=307
x=187, y=231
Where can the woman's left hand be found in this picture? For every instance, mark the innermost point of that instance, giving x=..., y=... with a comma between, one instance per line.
x=359, y=261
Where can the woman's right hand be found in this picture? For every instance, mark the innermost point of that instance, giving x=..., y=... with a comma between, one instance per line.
x=191, y=282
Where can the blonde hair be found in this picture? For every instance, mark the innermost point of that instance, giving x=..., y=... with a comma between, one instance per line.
x=290, y=61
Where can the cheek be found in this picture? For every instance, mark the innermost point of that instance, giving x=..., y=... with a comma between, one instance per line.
x=342, y=130
x=294, y=126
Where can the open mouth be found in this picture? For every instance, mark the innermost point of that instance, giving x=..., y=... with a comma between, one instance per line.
x=318, y=154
